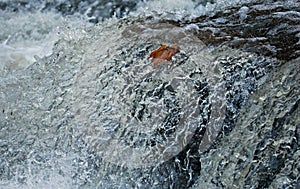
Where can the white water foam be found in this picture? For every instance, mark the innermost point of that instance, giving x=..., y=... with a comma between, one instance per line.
x=183, y=9
x=25, y=37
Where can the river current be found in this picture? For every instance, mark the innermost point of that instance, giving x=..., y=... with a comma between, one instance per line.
x=83, y=106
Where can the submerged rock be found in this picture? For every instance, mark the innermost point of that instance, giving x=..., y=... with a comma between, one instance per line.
x=262, y=150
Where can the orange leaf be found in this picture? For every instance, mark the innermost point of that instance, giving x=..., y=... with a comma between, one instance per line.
x=163, y=54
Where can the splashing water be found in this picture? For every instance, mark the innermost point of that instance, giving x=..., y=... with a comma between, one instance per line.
x=183, y=9
x=24, y=36
x=121, y=100
x=105, y=94
x=92, y=112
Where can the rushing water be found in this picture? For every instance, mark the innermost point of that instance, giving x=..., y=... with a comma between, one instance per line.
x=82, y=106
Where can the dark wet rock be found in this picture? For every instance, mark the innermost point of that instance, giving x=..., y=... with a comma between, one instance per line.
x=267, y=28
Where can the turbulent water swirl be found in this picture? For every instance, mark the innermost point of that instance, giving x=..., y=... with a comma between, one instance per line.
x=135, y=115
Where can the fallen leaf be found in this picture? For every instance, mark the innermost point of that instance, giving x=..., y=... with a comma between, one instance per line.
x=163, y=54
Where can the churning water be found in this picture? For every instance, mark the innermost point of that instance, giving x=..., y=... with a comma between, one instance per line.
x=82, y=106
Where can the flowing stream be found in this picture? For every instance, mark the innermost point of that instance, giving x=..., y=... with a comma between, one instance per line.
x=83, y=106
